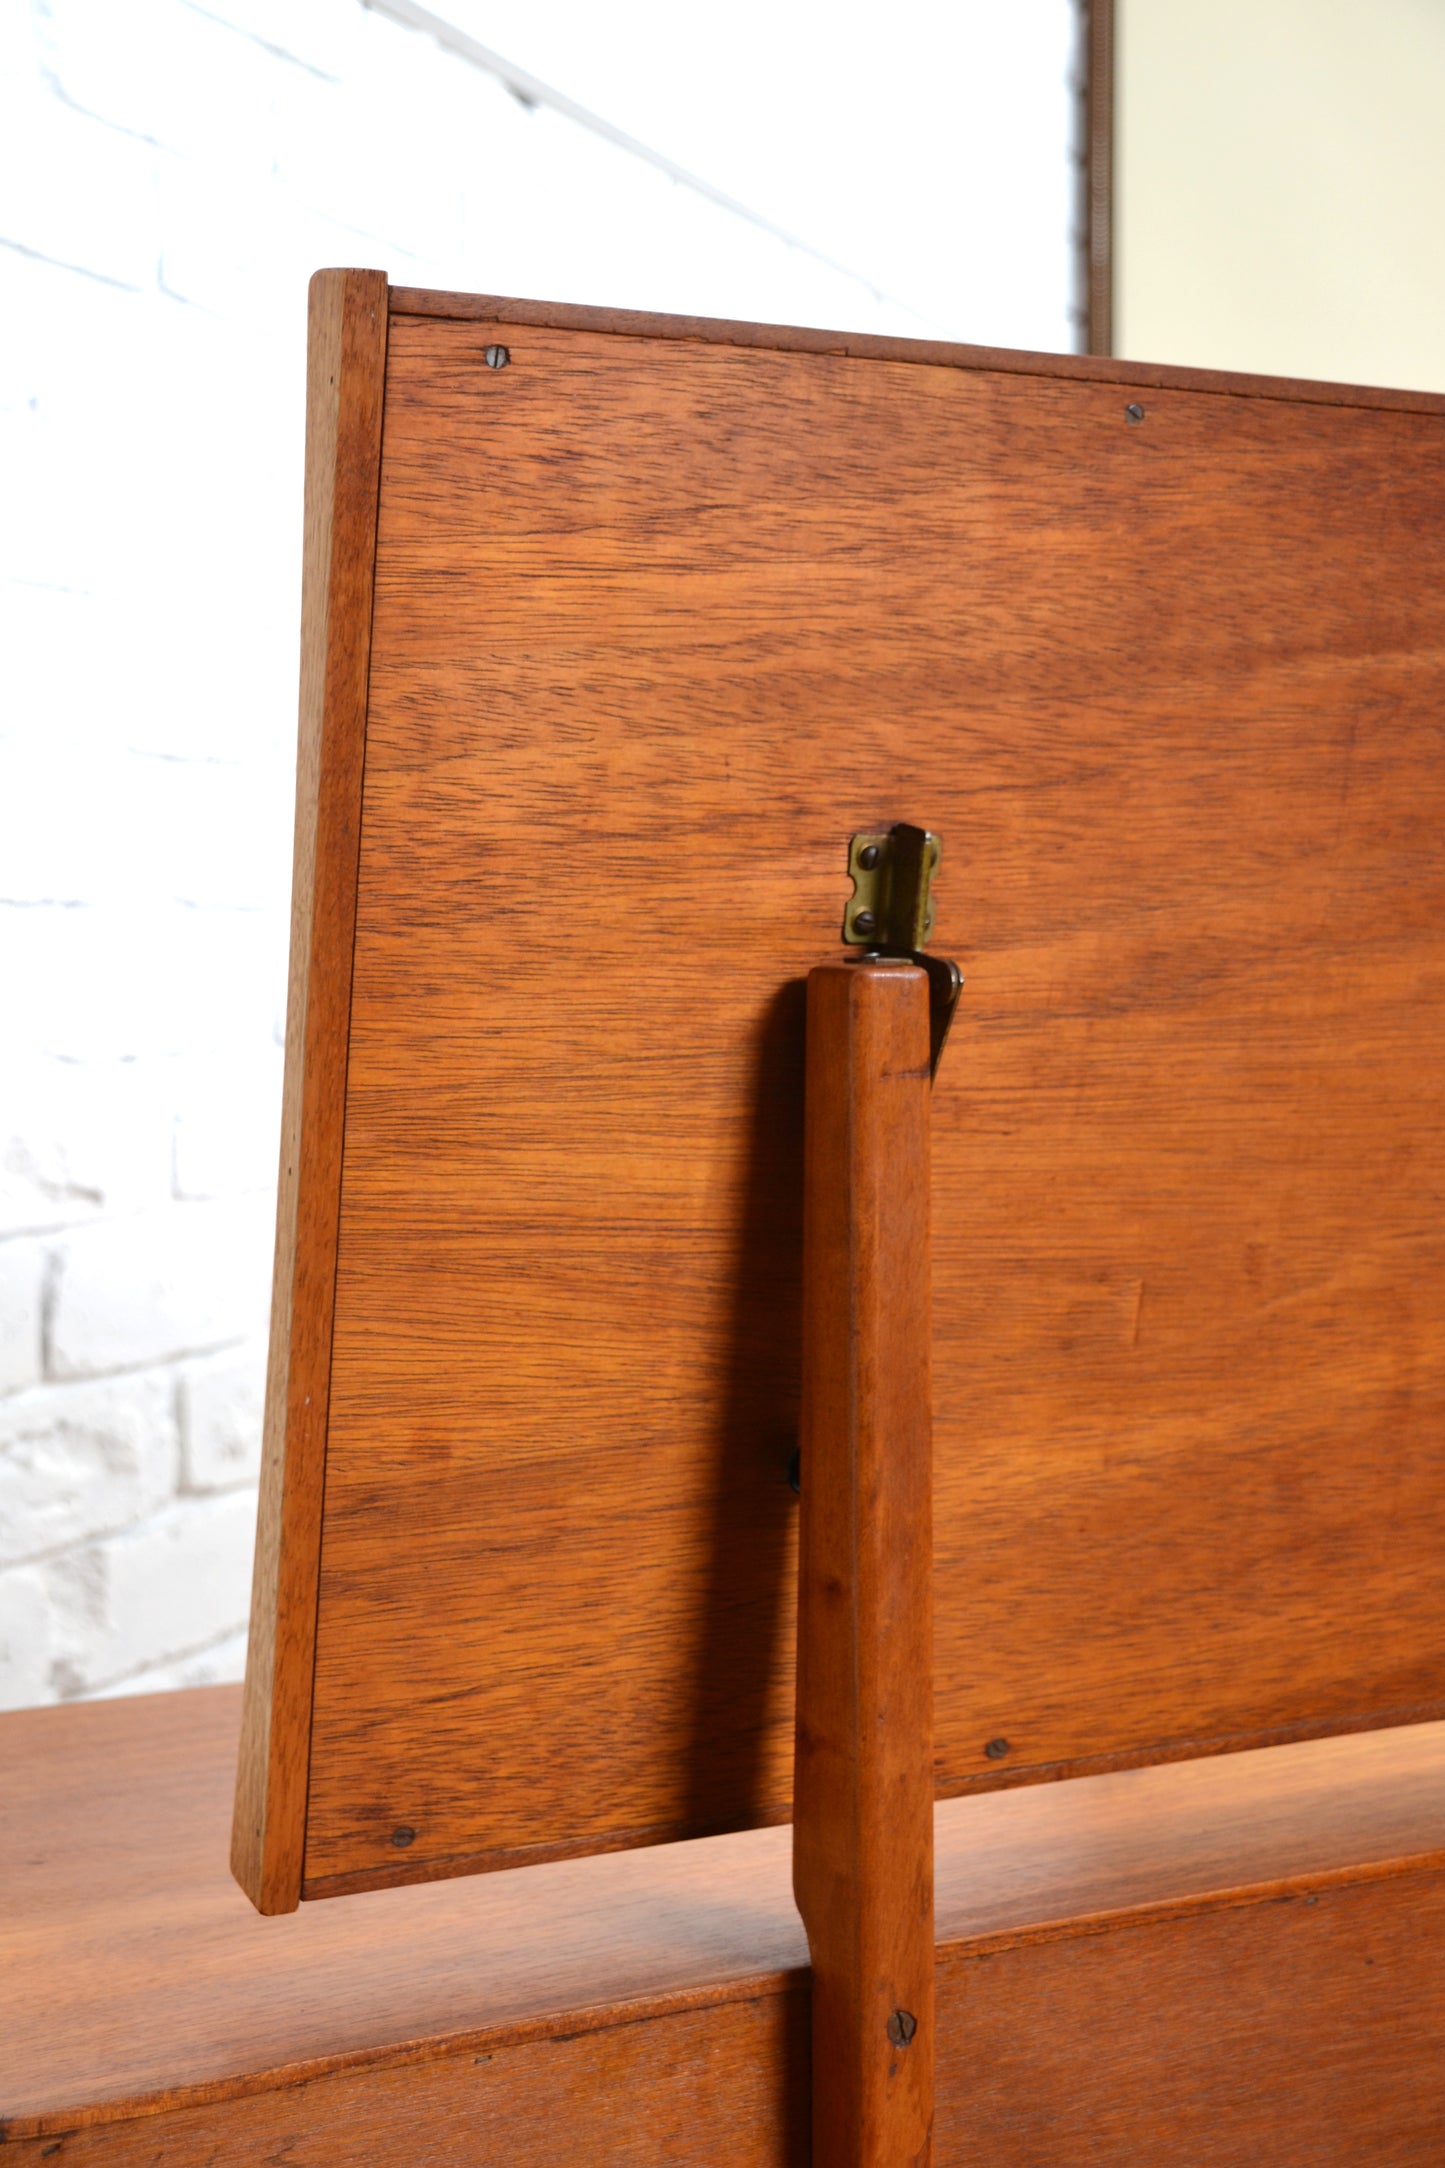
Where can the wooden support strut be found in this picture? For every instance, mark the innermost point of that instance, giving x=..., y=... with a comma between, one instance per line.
x=863, y=1794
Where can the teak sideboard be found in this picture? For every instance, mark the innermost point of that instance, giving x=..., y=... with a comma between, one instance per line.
x=1218, y=1963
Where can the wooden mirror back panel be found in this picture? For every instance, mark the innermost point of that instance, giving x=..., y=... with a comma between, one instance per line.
x=659, y=615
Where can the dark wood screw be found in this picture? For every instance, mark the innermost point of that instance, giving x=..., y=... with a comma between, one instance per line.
x=1134, y=411
x=497, y=357
x=868, y=857
x=996, y=1749
x=865, y=923
x=901, y=2027
x=401, y=1837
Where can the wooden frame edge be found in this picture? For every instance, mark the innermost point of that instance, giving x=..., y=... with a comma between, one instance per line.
x=499, y=309
x=346, y=367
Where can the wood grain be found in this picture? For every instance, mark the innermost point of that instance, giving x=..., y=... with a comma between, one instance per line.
x=1225, y=1961
x=1307, y=2031
x=696, y=2088
x=659, y=621
x=863, y=1772
x=345, y=375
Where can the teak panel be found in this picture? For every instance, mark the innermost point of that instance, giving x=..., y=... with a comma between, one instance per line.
x=658, y=623
x=1224, y=1961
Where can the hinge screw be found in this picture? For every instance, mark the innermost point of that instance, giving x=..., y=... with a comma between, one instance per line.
x=865, y=923
x=868, y=857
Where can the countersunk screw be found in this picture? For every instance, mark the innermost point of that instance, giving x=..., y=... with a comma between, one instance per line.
x=401, y=1837
x=497, y=357
x=996, y=1749
x=868, y=857
x=901, y=2027
x=1134, y=411
x=865, y=923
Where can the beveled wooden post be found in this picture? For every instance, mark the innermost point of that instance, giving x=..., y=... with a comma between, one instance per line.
x=863, y=1794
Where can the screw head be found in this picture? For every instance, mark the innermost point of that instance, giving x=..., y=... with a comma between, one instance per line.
x=497, y=357
x=901, y=2027
x=996, y=1749
x=1134, y=411
x=864, y=922
x=868, y=857
x=402, y=1836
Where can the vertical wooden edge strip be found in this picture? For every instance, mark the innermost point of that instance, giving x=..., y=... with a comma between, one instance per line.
x=346, y=366
x=1099, y=99
x=864, y=1780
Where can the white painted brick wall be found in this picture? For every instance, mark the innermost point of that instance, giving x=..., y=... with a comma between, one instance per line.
x=170, y=175
x=82, y=1461
x=23, y=1267
x=219, y=1408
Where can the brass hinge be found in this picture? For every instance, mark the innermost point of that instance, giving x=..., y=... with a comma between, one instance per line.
x=890, y=913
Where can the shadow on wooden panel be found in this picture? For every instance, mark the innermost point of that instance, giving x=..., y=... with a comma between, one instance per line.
x=747, y=1623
